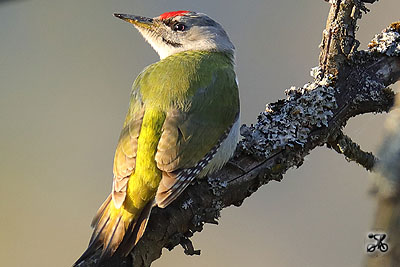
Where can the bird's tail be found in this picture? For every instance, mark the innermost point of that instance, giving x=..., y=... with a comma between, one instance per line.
x=115, y=230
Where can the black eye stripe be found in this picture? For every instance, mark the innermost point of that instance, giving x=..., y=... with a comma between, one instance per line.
x=171, y=43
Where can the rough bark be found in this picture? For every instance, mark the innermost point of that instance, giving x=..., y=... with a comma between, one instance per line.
x=347, y=83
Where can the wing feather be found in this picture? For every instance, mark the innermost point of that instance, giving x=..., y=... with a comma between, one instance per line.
x=125, y=155
x=191, y=137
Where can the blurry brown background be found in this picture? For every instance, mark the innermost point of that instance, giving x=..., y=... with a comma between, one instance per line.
x=66, y=68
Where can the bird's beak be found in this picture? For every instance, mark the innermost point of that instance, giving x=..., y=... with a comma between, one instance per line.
x=141, y=22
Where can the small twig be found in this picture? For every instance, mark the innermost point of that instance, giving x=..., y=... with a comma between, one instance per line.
x=343, y=144
x=187, y=245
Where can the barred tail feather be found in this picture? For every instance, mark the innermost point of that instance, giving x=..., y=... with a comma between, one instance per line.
x=115, y=233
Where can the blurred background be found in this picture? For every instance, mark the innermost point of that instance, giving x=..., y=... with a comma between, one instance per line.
x=66, y=68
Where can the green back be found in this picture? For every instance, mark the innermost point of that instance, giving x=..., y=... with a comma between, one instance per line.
x=201, y=87
x=193, y=95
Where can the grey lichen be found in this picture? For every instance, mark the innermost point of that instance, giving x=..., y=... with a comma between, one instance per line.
x=187, y=204
x=289, y=122
x=217, y=186
x=387, y=42
x=370, y=88
x=198, y=221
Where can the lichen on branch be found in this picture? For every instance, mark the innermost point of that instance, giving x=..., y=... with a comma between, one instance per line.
x=387, y=42
x=290, y=122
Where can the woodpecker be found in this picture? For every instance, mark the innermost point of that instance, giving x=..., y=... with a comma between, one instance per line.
x=182, y=123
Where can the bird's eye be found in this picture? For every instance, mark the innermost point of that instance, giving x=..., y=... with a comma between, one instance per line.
x=179, y=27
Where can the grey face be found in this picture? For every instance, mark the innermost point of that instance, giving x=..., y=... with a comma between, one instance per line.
x=181, y=32
x=191, y=27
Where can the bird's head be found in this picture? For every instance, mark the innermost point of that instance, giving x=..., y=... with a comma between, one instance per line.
x=178, y=31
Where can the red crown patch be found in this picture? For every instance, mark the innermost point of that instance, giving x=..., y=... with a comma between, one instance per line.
x=168, y=15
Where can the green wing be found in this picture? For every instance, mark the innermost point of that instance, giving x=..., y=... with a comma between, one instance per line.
x=125, y=154
x=191, y=137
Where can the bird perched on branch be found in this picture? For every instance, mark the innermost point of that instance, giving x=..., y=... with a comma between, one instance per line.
x=182, y=123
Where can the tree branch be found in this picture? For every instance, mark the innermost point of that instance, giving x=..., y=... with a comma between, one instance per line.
x=343, y=144
x=347, y=83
